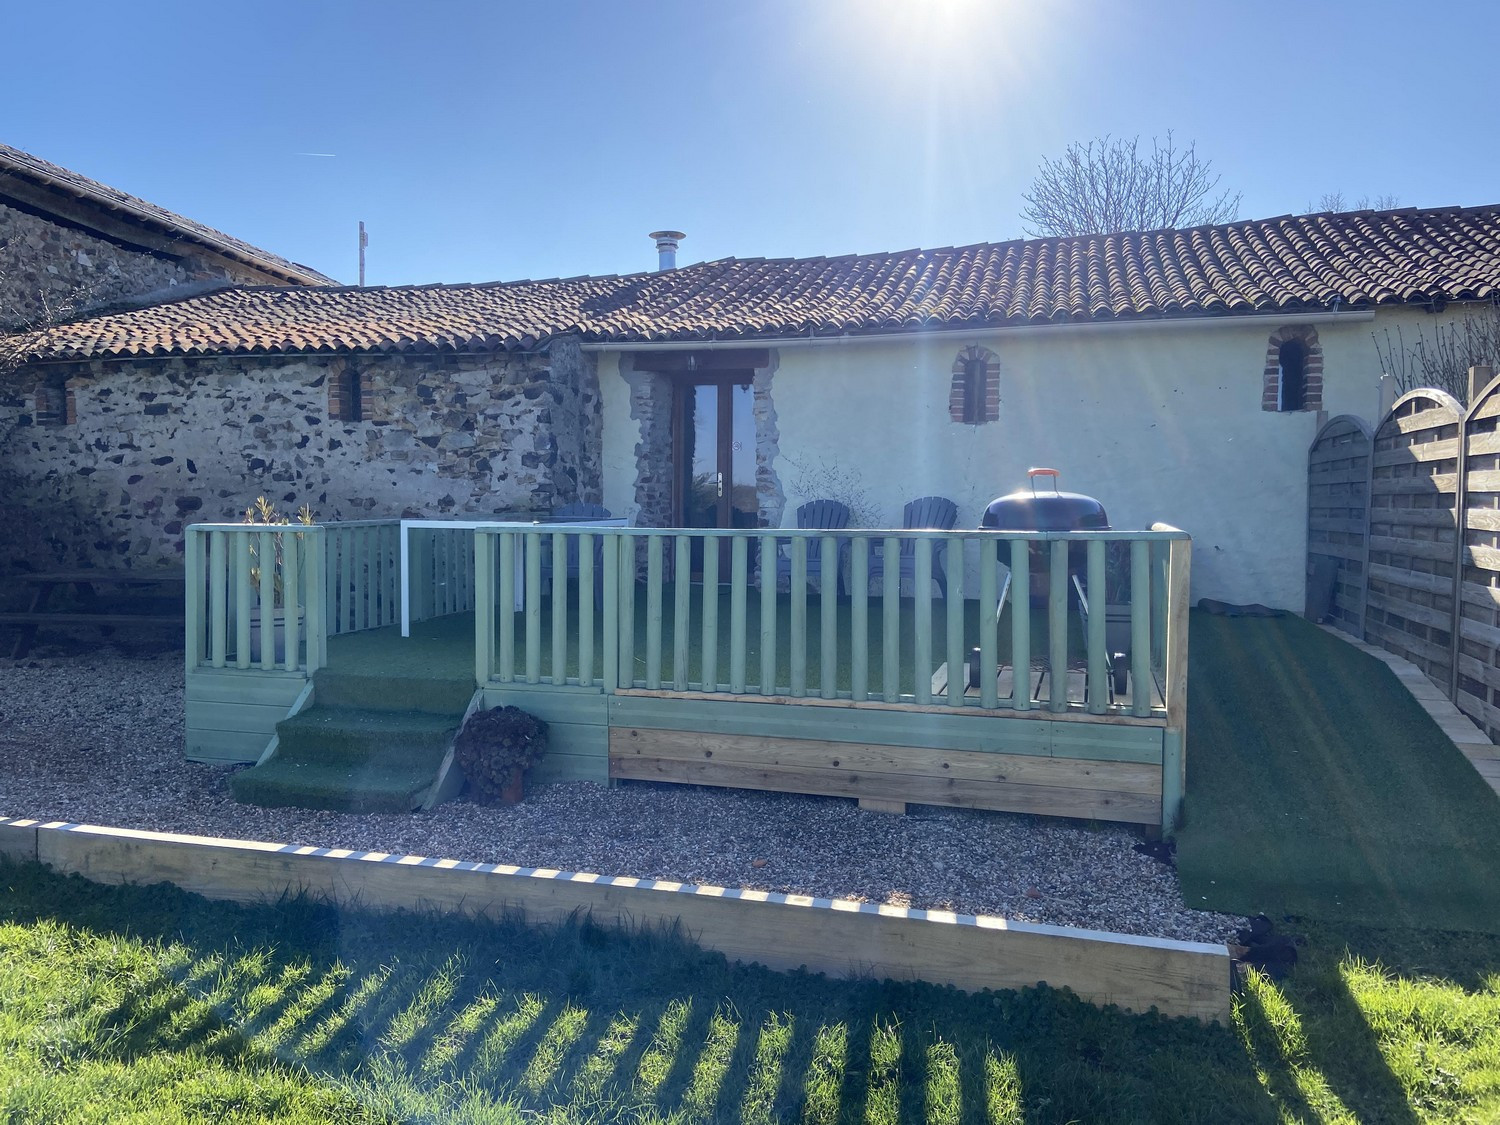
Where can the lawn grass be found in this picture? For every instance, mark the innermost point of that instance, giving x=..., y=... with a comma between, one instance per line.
x=1318, y=787
x=153, y=1002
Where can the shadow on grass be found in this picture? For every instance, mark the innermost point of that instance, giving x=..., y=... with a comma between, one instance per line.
x=598, y=1026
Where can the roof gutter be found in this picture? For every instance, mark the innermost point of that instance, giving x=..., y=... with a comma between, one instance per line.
x=1353, y=316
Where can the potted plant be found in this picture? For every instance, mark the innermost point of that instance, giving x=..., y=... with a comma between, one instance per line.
x=495, y=748
x=264, y=512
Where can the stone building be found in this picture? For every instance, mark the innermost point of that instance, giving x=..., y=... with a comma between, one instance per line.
x=1177, y=375
x=68, y=241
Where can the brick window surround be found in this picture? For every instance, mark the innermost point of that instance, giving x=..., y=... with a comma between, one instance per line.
x=1312, y=372
x=974, y=394
x=349, y=393
x=55, y=405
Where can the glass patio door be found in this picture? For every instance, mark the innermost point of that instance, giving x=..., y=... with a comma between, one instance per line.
x=716, y=456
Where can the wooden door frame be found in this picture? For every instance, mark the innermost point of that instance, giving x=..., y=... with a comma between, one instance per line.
x=725, y=435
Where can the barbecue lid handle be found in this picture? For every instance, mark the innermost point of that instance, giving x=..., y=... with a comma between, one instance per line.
x=1033, y=473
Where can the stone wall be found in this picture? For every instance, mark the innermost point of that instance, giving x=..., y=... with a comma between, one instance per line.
x=46, y=265
x=155, y=444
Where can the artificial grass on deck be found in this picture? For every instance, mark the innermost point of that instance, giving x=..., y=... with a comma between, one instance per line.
x=1317, y=786
x=443, y=648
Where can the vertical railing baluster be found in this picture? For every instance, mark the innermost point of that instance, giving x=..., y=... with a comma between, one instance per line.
x=218, y=597
x=360, y=547
x=708, y=675
x=316, y=566
x=1020, y=624
x=770, y=606
x=609, y=653
x=533, y=607
x=329, y=577
x=466, y=566
x=627, y=610
x=242, y=599
x=922, y=604
x=953, y=598
x=890, y=619
x=828, y=625
x=196, y=582
x=505, y=603
x=346, y=581
x=1140, y=628
x=682, y=610
x=484, y=608
x=653, y=611
x=1098, y=686
x=989, y=625
x=1057, y=627
x=559, y=607
x=1159, y=607
x=798, y=627
x=1179, y=566
x=859, y=618
x=586, y=608
x=267, y=592
x=739, y=582
x=372, y=576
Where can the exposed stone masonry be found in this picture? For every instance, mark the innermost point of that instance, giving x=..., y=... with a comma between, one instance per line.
x=157, y=444
x=44, y=265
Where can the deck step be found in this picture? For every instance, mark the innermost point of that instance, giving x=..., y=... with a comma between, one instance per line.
x=375, y=785
x=322, y=734
x=392, y=693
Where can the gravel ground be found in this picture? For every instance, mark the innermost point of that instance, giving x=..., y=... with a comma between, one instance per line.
x=96, y=738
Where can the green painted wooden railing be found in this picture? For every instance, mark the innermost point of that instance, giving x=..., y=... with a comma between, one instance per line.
x=362, y=574
x=257, y=597
x=629, y=612
x=442, y=571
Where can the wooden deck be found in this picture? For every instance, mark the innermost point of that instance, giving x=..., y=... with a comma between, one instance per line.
x=720, y=682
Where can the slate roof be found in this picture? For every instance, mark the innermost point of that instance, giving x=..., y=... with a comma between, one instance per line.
x=53, y=177
x=1352, y=260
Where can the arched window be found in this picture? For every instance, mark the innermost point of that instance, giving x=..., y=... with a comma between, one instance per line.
x=346, y=395
x=974, y=394
x=1293, y=377
x=1291, y=362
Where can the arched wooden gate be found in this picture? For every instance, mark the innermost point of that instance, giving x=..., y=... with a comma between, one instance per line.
x=1413, y=540
x=1338, y=509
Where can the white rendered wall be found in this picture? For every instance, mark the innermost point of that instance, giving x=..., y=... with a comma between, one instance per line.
x=1160, y=423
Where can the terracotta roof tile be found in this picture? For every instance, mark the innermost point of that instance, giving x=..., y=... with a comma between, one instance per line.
x=1358, y=259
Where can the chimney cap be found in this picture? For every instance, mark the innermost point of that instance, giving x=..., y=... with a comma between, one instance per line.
x=666, y=235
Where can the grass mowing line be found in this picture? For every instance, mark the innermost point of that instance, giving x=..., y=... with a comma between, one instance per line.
x=1318, y=787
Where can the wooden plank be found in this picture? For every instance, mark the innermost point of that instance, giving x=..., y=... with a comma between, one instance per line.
x=626, y=610
x=1140, y=627
x=798, y=626
x=780, y=931
x=1039, y=800
x=828, y=634
x=739, y=582
x=204, y=715
x=1057, y=626
x=1179, y=579
x=1442, y=449
x=241, y=541
x=953, y=599
x=1483, y=480
x=1412, y=611
x=1439, y=484
x=1097, y=742
x=769, y=607
x=682, y=620
x=922, y=618
x=266, y=600
x=1173, y=777
x=1020, y=622
x=225, y=746
x=890, y=610
x=559, y=605
x=1414, y=580
x=610, y=653
x=989, y=627
x=317, y=608
x=293, y=546
x=251, y=688
x=484, y=608
x=859, y=619
x=1482, y=519
x=1437, y=551
x=871, y=758
x=195, y=569
x=505, y=550
x=708, y=674
x=587, y=585
x=653, y=610
x=1098, y=685
x=533, y=602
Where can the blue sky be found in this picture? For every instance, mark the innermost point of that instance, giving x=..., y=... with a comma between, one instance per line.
x=487, y=141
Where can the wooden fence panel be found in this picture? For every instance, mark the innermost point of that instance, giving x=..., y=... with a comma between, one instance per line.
x=1413, y=532
x=1477, y=683
x=1338, y=509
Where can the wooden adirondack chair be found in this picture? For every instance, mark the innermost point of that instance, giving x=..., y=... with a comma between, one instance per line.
x=935, y=513
x=826, y=515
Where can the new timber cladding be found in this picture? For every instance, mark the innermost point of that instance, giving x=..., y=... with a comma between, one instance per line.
x=1414, y=488
x=1338, y=512
x=1047, y=766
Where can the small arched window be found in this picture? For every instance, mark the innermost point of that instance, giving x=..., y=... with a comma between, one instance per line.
x=974, y=394
x=346, y=398
x=1293, y=378
x=1291, y=363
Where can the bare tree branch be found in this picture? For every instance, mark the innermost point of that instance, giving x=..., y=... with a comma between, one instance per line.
x=1442, y=360
x=1109, y=185
x=1335, y=201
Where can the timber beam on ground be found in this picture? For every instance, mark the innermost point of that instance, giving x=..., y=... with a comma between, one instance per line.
x=840, y=937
